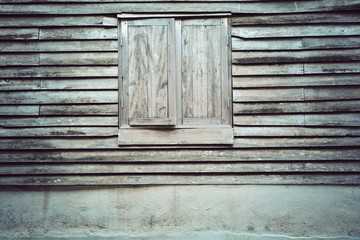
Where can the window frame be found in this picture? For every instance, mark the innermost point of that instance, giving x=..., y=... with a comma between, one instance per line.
x=178, y=133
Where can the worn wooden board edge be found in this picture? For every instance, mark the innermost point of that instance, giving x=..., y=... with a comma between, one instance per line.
x=104, y=143
x=174, y=179
x=180, y=155
x=178, y=168
x=237, y=7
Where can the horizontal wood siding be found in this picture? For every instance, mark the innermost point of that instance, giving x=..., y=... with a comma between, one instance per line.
x=296, y=96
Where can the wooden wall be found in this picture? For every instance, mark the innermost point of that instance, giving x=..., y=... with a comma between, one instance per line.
x=296, y=92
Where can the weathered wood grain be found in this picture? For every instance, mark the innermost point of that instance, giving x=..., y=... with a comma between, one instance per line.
x=148, y=50
x=297, y=43
x=270, y=120
x=199, y=168
x=295, y=142
x=55, y=21
x=246, y=7
x=297, y=107
x=180, y=155
x=333, y=179
x=83, y=110
x=59, y=46
x=304, y=18
x=271, y=69
x=19, y=59
x=241, y=44
x=246, y=57
x=348, y=119
x=176, y=137
x=30, y=110
x=58, y=121
x=111, y=143
x=330, y=42
x=76, y=33
x=331, y=68
x=266, y=95
x=296, y=132
x=56, y=97
x=19, y=33
x=332, y=93
x=58, y=132
x=98, y=58
x=83, y=83
x=296, y=31
x=290, y=81
x=46, y=72
x=19, y=84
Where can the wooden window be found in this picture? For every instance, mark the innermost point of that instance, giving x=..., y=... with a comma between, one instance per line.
x=175, y=84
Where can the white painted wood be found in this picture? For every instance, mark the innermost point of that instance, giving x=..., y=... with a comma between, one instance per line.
x=83, y=83
x=19, y=84
x=79, y=110
x=16, y=110
x=19, y=60
x=270, y=120
x=266, y=95
x=98, y=58
x=58, y=132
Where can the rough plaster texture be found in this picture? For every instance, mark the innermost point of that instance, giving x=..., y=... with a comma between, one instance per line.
x=181, y=212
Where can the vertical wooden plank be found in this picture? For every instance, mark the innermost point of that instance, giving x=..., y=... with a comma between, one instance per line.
x=148, y=81
x=201, y=69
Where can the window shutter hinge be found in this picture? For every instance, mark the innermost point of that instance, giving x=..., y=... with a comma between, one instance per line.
x=121, y=41
x=228, y=102
x=122, y=102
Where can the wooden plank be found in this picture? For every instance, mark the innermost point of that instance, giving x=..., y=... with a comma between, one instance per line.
x=148, y=67
x=295, y=142
x=158, y=168
x=19, y=84
x=46, y=72
x=19, y=33
x=266, y=95
x=19, y=59
x=304, y=18
x=271, y=69
x=297, y=107
x=291, y=81
x=59, y=46
x=63, y=143
x=270, y=120
x=240, y=44
x=57, y=21
x=332, y=93
x=84, y=84
x=181, y=136
x=102, y=58
x=57, y=121
x=252, y=57
x=323, y=68
x=293, y=179
x=180, y=155
x=56, y=97
x=75, y=33
x=295, y=132
x=84, y=110
x=330, y=42
x=59, y=132
x=245, y=7
x=348, y=119
x=30, y=110
x=296, y=31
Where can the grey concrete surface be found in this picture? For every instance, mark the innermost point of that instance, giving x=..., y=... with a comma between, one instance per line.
x=181, y=212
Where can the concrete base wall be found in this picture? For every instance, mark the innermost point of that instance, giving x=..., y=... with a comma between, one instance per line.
x=181, y=212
